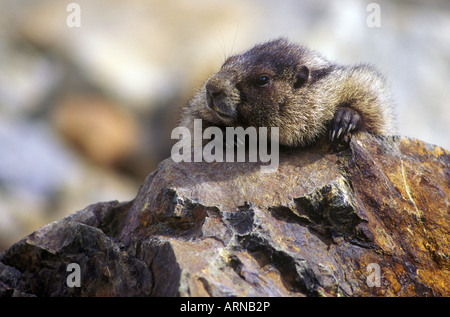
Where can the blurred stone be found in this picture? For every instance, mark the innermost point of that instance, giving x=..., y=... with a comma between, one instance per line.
x=42, y=179
x=316, y=227
x=34, y=167
x=102, y=130
x=26, y=80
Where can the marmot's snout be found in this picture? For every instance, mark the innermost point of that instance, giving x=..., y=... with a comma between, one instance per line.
x=221, y=98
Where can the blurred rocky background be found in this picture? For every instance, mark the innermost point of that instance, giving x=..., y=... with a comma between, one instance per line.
x=86, y=112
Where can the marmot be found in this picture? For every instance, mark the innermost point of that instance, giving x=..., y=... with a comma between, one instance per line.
x=286, y=85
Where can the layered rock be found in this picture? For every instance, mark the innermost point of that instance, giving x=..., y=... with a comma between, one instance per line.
x=368, y=221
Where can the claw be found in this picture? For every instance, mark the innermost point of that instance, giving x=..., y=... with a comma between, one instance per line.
x=345, y=122
x=339, y=133
x=332, y=132
x=351, y=126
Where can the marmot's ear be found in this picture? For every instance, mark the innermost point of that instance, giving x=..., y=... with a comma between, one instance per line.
x=302, y=76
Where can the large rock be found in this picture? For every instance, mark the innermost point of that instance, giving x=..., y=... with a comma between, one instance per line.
x=372, y=220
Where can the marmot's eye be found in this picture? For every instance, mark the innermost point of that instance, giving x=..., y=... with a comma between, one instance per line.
x=262, y=80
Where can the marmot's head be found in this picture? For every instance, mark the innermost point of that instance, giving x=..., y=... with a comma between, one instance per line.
x=256, y=87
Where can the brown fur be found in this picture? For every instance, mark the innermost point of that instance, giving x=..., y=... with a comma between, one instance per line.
x=302, y=96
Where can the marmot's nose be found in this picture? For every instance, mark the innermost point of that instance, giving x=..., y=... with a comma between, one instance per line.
x=213, y=90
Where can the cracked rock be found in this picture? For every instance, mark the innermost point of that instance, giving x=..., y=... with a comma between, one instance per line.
x=315, y=227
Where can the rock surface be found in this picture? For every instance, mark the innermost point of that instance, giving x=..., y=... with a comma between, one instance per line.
x=320, y=226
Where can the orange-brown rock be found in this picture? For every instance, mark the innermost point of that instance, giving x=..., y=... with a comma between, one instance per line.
x=372, y=220
x=104, y=132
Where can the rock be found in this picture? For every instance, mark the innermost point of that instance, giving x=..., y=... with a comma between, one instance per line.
x=368, y=221
x=99, y=128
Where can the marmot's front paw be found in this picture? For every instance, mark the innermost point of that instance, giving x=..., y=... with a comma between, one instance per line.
x=345, y=121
